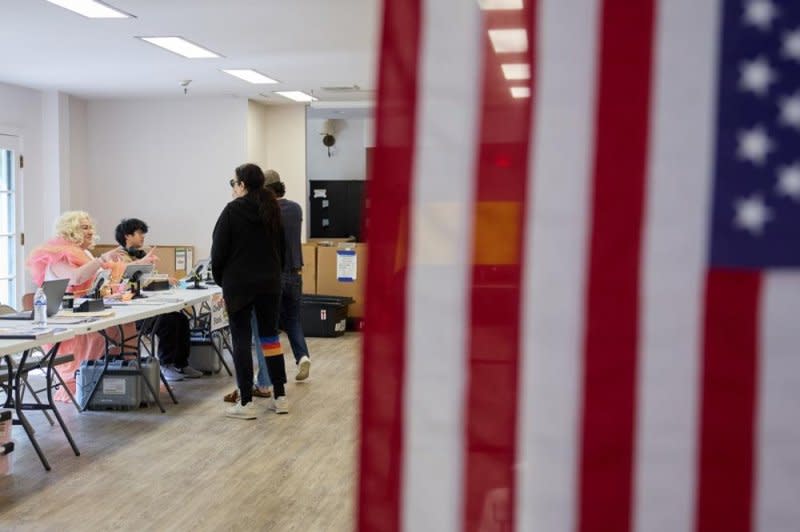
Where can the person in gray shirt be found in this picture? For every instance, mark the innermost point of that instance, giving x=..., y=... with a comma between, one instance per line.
x=291, y=279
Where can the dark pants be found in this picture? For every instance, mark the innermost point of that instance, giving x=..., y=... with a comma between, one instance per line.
x=291, y=301
x=173, y=339
x=266, y=308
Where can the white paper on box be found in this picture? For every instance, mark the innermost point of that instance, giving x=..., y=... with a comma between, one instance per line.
x=113, y=386
x=320, y=192
x=346, y=265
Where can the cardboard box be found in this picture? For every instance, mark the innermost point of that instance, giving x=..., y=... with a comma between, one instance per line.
x=167, y=256
x=329, y=258
x=310, y=268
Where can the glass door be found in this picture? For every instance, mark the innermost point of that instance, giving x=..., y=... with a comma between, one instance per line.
x=10, y=246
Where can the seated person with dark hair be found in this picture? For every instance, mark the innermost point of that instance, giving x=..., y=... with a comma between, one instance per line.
x=172, y=329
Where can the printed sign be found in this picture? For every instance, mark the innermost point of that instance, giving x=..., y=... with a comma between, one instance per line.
x=180, y=259
x=346, y=265
x=219, y=315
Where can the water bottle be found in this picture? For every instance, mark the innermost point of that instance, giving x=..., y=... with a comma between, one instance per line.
x=40, y=308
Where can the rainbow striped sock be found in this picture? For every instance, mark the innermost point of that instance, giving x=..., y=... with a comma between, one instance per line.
x=271, y=346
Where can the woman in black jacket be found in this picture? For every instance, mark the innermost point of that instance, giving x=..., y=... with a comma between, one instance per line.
x=247, y=259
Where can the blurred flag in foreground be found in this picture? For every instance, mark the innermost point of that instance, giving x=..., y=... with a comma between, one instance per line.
x=583, y=305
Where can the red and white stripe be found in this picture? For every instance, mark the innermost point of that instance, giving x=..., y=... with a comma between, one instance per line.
x=444, y=166
x=604, y=379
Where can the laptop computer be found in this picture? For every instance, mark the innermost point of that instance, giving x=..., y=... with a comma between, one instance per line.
x=54, y=290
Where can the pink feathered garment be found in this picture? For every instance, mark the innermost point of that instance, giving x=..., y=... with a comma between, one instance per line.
x=86, y=346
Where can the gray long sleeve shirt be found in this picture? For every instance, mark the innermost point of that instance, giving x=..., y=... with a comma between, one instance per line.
x=292, y=220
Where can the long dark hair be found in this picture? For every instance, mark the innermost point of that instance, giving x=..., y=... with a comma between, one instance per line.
x=253, y=179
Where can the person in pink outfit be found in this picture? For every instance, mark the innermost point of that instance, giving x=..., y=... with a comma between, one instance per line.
x=67, y=256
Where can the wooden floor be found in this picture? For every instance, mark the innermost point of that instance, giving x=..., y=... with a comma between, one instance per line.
x=194, y=469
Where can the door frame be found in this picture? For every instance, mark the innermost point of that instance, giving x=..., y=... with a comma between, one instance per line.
x=10, y=138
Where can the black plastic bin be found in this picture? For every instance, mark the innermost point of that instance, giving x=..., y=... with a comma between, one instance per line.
x=324, y=316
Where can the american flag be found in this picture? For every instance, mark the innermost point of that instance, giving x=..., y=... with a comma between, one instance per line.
x=582, y=303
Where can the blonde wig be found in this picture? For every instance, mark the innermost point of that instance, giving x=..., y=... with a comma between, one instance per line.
x=68, y=227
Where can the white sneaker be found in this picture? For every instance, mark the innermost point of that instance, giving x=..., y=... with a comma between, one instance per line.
x=280, y=405
x=190, y=373
x=238, y=411
x=303, y=368
x=171, y=373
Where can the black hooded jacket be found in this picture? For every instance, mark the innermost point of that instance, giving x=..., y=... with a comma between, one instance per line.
x=246, y=257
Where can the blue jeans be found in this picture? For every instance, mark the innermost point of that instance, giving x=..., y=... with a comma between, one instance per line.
x=262, y=379
x=291, y=301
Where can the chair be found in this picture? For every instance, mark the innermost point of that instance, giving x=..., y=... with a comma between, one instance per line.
x=27, y=301
x=34, y=363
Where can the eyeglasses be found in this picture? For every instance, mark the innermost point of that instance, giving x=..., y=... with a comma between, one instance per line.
x=233, y=182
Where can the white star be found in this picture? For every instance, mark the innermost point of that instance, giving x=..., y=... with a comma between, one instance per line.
x=790, y=111
x=759, y=13
x=754, y=145
x=756, y=76
x=791, y=45
x=789, y=181
x=752, y=214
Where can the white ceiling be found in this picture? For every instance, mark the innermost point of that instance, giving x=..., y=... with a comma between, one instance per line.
x=305, y=44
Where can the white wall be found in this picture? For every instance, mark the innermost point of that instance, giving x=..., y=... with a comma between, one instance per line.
x=165, y=161
x=78, y=155
x=348, y=156
x=55, y=146
x=286, y=151
x=21, y=114
x=369, y=132
x=51, y=127
x=257, y=134
x=276, y=137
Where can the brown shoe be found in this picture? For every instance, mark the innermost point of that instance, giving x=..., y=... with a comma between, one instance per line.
x=257, y=392
x=232, y=397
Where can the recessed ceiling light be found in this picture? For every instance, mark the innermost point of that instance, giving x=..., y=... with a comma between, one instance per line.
x=503, y=41
x=249, y=75
x=492, y=5
x=91, y=8
x=516, y=70
x=520, y=92
x=297, y=96
x=180, y=46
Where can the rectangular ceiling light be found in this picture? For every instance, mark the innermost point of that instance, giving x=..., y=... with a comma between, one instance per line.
x=249, y=75
x=91, y=8
x=516, y=70
x=520, y=92
x=509, y=41
x=297, y=96
x=180, y=46
x=497, y=5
